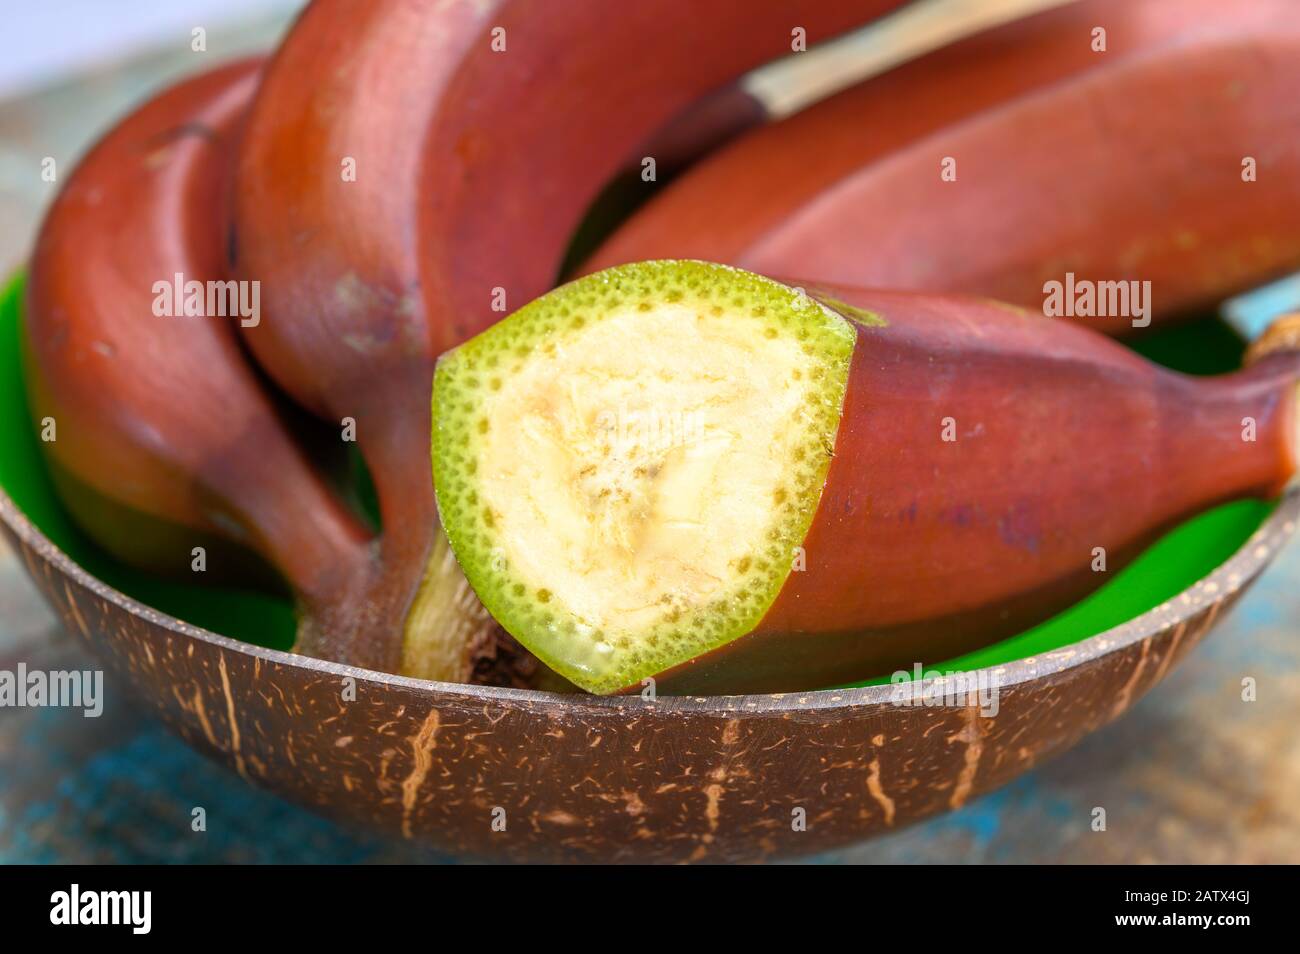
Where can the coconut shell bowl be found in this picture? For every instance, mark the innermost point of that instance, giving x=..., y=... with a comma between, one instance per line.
x=522, y=775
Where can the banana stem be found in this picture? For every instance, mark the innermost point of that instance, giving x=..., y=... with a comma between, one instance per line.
x=446, y=621
x=450, y=637
x=1283, y=335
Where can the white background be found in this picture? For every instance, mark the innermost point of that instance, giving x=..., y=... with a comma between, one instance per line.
x=45, y=40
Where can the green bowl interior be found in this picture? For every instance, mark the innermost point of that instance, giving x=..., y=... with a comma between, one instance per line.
x=1176, y=561
x=256, y=617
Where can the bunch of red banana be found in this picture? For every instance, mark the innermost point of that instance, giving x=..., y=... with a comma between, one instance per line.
x=404, y=167
x=1155, y=141
x=403, y=173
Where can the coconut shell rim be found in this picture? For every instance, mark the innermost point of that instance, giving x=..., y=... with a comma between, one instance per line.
x=1231, y=576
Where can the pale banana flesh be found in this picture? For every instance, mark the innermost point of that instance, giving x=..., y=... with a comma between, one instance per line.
x=625, y=466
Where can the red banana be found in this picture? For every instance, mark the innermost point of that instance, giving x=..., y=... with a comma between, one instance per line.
x=1133, y=163
x=163, y=437
x=411, y=170
x=684, y=471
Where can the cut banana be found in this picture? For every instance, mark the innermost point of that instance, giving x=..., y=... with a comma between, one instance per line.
x=625, y=466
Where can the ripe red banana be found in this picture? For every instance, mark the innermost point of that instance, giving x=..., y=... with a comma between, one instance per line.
x=412, y=170
x=687, y=472
x=163, y=437
x=1173, y=156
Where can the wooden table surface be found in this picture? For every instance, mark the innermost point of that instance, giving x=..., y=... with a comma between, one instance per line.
x=1192, y=774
